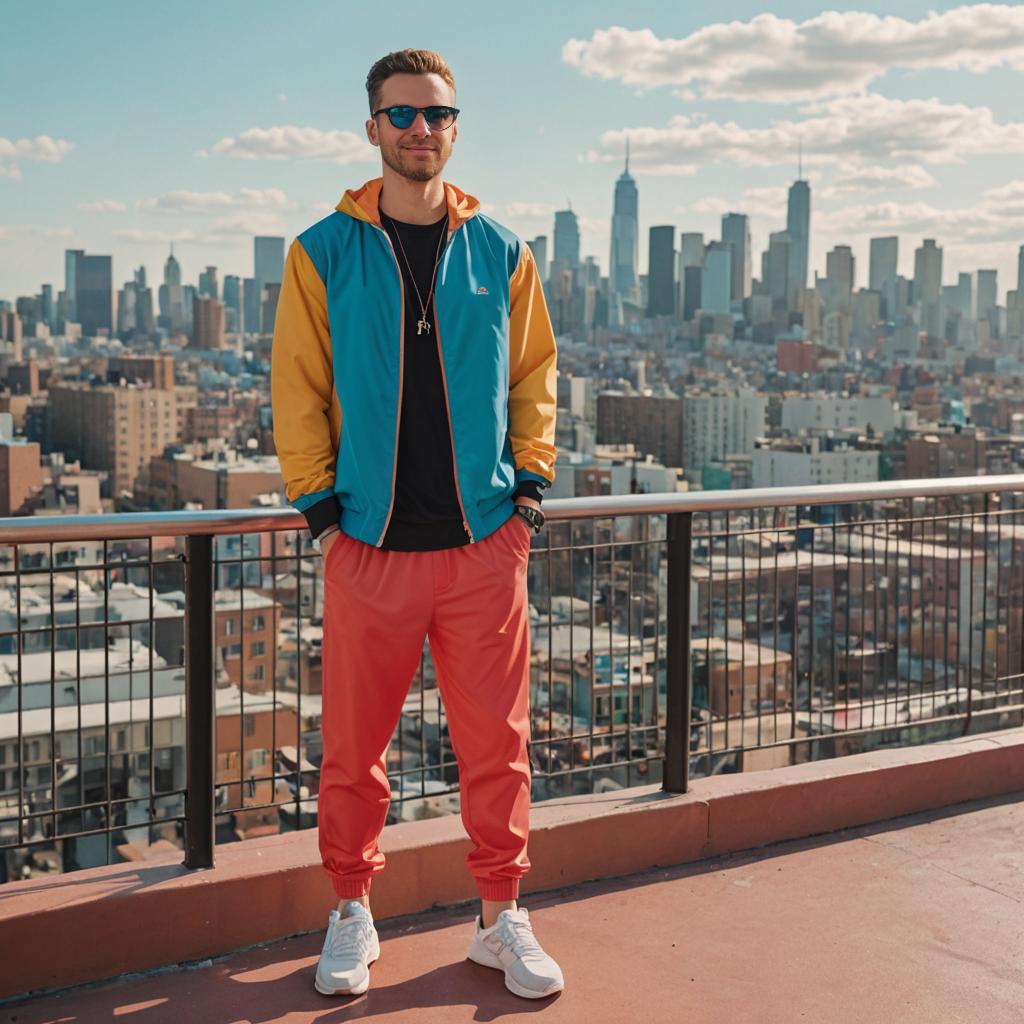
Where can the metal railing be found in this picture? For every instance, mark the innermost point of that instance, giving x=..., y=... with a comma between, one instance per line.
x=672, y=635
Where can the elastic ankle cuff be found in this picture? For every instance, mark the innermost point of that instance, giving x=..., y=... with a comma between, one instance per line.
x=498, y=888
x=350, y=888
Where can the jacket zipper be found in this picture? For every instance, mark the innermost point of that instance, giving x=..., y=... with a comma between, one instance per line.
x=401, y=381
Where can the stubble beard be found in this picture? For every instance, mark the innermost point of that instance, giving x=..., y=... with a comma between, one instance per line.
x=394, y=158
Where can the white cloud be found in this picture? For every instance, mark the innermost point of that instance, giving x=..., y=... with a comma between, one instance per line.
x=247, y=224
x=863, y=128
x=146, y=236
x=987, y=220
x=1012, y=191
x=103, y=206
x=872, y=178
x=211, y=202
x=773, y=59
x=225, y=230
x=10, y=232
x=761, y=201
x=290, y=142
x=530, y=210
x=42, y=148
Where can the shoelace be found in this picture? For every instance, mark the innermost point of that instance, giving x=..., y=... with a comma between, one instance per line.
x=519, y=937
x=352, y=939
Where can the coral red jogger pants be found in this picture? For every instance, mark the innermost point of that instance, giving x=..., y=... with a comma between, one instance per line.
x=471, y=604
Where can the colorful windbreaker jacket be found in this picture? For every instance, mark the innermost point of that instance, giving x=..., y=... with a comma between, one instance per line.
x=337, y=367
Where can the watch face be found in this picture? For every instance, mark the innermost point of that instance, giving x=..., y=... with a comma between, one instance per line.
x=533, y=516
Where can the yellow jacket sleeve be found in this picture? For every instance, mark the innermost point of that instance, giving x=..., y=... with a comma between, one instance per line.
x=532, y=396
x=307, y=415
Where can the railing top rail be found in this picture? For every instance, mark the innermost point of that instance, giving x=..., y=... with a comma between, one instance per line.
x=127, y=525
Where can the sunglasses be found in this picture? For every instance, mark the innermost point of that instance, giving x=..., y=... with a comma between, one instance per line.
x=437, y=118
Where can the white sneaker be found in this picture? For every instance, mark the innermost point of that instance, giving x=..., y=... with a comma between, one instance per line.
x=350, y=947
x=509, y=945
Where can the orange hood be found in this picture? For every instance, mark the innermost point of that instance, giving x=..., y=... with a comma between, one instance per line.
x=362, y=203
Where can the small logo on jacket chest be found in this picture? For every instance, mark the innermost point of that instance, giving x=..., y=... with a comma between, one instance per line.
x=482, y=290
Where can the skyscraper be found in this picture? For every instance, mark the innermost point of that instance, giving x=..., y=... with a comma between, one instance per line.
x=988, y=302
x=251, y=306
x=47, y=310
x=661, y=276
x=928, y=286
x=144, y=322
x=776, y=266
x=268, y=263
x=715, y=281
x=883, y=259
x=1020, y=273
x=840, y=270
x=94, y=293
x=208, y=283
x=882, y=271
x=798, y=227
x=70, y=260
x=567, y=239
x=622, y=267
x=207, y=323
x=172, y=311
x=736, y=231
x=233, y=302
x=691, y=259
x=956, y=298
x=126, y=310
x=539, y=248
x=691, y=249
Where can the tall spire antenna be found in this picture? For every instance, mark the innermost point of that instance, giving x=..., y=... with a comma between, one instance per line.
x=627, y=154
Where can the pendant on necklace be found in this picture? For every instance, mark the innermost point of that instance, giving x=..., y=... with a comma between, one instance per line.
x=422, y=326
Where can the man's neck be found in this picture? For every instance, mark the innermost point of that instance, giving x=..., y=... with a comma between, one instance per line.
x=412, y=202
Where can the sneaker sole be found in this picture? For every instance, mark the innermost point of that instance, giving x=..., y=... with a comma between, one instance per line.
x=483, y=958
x=355, y=990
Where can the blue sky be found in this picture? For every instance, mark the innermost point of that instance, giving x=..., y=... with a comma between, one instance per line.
x=116, y=102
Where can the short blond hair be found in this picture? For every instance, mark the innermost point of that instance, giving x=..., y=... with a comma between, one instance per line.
x=405, y=62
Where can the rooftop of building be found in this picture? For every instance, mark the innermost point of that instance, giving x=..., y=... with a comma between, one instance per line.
x=915, y=919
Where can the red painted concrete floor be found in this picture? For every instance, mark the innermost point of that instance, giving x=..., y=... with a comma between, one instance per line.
x=918, y=919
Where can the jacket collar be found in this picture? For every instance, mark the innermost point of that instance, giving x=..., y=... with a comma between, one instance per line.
x=363, y=203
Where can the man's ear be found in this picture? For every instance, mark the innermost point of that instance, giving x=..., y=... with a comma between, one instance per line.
x=371, y=132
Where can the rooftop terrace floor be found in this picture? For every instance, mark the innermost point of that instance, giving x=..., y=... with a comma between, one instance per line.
x=919, y=918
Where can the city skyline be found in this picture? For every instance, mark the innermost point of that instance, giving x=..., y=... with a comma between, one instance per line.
x=910, y=143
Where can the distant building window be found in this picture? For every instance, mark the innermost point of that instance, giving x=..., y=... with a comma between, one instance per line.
x=257, y=623
x=229, y=626
x=250, y=725
x=257, y=649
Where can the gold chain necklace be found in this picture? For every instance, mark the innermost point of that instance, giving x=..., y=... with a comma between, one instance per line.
x=423, y=324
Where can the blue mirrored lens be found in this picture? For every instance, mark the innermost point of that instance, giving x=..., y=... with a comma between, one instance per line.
x=402, y=117
x=438, y=117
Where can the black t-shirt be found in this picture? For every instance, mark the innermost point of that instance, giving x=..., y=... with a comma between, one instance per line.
x=426, y=514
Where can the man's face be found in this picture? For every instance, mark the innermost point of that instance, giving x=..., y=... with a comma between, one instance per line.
x=418, y=152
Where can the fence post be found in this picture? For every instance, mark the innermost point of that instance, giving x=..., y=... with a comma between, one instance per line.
x=679, y=683
x=199, y=701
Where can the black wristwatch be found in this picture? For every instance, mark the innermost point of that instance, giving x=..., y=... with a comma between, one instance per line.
x=533, y=516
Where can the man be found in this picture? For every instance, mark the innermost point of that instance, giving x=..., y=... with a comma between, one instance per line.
x=414, y=413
